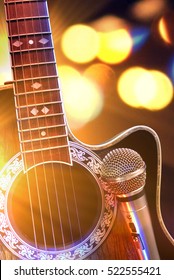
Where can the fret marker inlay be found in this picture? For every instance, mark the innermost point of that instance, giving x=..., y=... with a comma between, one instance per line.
x=40, y=118
x=45, y=110
x=31, y=42
x=43, y=41
x=43, y=133
x=36, y=85
x=17, y=44
x=34, y=111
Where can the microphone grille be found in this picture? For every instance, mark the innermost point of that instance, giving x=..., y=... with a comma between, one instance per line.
x=124, y=169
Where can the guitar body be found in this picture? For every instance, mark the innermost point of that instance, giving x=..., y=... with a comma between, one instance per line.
x=90, y=234
x=116, y=242
x=52, y=201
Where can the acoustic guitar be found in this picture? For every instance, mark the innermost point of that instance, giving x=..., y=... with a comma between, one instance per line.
x=52, y=203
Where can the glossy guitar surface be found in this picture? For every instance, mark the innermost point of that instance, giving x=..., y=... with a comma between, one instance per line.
x=52, y=203
x=100, y=207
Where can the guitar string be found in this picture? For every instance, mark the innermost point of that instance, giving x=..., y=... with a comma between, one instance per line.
x=61, y=164
x=18, y=111
x=40, y=141
x=48, y=141
x=46, y=178
x=74, y=194
x=72, y=182
x=59, y=153
x=72, y=186
x=32, y=146
x=40, y=204
x=44, y=172
x=33, y=154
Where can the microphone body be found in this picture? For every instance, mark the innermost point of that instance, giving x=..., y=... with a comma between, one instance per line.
x=124, y=174
x=136, y=214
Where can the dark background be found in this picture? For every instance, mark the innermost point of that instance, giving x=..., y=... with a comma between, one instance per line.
x=117, y=116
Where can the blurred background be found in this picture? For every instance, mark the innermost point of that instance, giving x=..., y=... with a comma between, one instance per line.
x=116, y=66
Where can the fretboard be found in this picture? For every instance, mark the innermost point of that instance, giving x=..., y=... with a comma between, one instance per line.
x=40, y=116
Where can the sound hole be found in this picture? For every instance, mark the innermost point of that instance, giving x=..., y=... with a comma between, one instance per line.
x=54, y=206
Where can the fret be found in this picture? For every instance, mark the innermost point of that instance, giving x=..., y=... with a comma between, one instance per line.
x=31, y=42
x=21, y=1
x=26, y=18
x=34, y=78
x=38, y=117
x=26, y=10
x=43, y=122
x=45, y=149
x=43, y=133
x=33, y=64
x=39, y=56
x=28, y=34
x=31, y=49
x=35, y=72
x=39, y=104
x=57, y=154
x=30, y=26
x=43, y=138
x=44, y=144
x=34, y=98
x=27, y=86
x=40, y=111
x=37, y=92
x=41, y=128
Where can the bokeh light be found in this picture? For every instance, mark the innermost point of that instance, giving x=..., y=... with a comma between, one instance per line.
x=166, y=26
x=83, y=99
x=80, y=43
x=103, y=75
x=109, y=23
x=163, y=93
x=131, y=84
x=147, y=10
x=141, y=88
x=115, y=46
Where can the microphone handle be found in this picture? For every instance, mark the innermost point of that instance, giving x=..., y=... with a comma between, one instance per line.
x=137, y=217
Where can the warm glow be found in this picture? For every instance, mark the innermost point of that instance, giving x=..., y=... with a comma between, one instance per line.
x=80, y=43
x=82, y=98
x=163, y=93
x=141, y=88
x=5, y=72
x=109, y=23
x=5, y=76
x=131, y=86
x=115, y=46
x=163, y=31
x=103, y=75
x=146, y=10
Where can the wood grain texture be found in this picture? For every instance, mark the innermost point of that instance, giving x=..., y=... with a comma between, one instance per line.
x=118, y=244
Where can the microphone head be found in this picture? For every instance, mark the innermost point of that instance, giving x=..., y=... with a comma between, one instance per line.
x=123, y=172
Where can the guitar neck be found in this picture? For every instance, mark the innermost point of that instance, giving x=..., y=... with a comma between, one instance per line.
x=39, y=109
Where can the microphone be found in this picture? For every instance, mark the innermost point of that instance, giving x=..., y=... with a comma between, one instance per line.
x=124, y=174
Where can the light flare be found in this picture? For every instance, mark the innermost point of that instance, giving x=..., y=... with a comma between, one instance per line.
x=149, y=89
x=115, y=46
x=83, y=99
x=80, y=43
